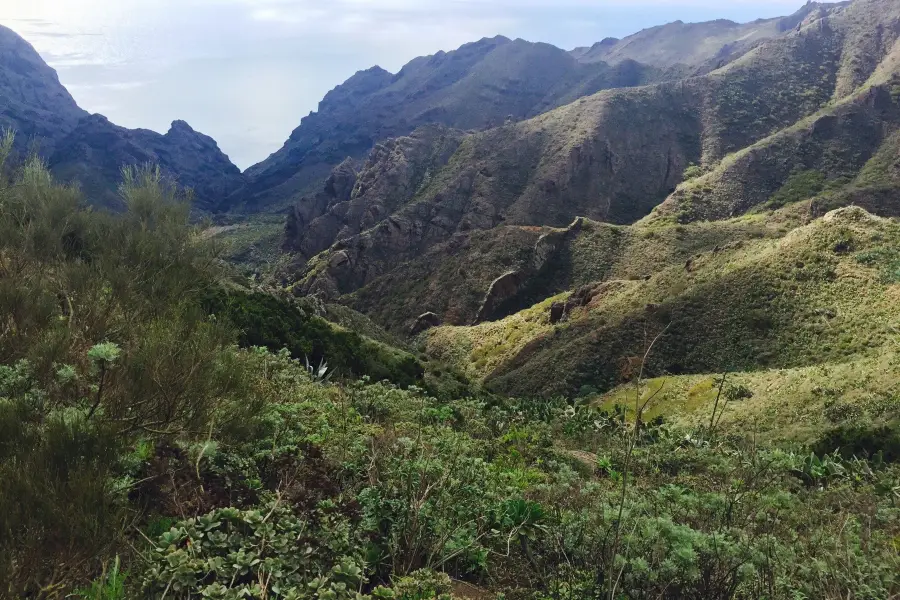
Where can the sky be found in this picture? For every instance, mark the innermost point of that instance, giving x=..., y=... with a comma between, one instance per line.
x=246, y=71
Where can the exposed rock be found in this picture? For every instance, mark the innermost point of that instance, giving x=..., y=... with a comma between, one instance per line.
x=394, y=172
x=425, y=322
x=331, y=202
x=549, y=243
x=502, y=289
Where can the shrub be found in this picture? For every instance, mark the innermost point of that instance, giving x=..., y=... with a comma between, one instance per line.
x=862, y=441
x=274, y=323
x=261, y=553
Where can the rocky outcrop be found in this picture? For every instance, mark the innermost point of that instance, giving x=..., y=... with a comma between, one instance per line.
x=393, y=174
x=502, y=290
x=94, y=153
x=501, y=297
x=424, y=323
x=324, y=209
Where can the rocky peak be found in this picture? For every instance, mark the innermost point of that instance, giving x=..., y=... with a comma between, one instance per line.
x=95, y=151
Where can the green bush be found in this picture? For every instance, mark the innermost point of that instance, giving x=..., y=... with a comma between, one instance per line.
x=800, y=186
x=267, y=321
x=265, y=553
x=863, y=442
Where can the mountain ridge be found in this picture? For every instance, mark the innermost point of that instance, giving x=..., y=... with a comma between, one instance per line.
x=478, y=85
x=90, y=150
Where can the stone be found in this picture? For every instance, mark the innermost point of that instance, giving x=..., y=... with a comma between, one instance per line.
x=425, y=322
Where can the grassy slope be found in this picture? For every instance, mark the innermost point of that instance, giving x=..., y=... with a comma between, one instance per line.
x=786, y=405
x=821, y=294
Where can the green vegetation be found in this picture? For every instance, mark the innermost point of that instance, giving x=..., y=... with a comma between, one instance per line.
x=801, y=300
x=162, y=437
x=274, y=323
x=801, y=186
x=700, y=404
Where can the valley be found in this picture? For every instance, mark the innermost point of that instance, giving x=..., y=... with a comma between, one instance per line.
x=513, y=322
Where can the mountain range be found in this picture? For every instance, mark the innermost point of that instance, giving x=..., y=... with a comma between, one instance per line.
x=528, y=214
x=88, y=148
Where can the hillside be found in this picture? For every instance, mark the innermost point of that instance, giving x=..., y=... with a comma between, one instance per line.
x=91, y=151
x=695, y=48
x=820, y=294
x=162, y=436
x=95, y=151
x=34, y=102
x=540, y=327
x=618, y=154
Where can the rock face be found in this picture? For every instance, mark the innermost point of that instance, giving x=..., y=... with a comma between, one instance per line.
x=32, y=100
x=478, y=86
x=352, y=203
x=322, y=210
x=94, y=153
x=503, y=289
x=90, y=150
x=617, y=155
x=424, y=323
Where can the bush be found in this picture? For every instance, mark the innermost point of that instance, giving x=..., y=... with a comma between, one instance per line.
x=863, y=442
x=800, y=186
x=261, y=553
x=270, y=322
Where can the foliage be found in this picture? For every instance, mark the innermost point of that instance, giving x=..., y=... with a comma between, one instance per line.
x=693, y=171
x=274, y=323
x=110, y=585
x=857, y=440
x=266, y=553
x=800, y=186
x=132, y=427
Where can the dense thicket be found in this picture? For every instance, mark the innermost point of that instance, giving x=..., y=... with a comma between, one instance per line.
x=271, y=322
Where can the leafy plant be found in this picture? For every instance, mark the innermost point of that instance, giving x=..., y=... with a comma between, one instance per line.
x=264, y=553
x=110, y=585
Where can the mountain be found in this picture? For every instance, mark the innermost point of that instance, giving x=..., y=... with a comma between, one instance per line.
x=485, y=84
x=556, y=243
x=618, y=154
x=480, y=85
x=94, y=153
x=32, y=100
x=695, y=48
x=90, y=150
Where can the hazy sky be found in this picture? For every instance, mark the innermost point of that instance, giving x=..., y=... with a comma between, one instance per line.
x=246, y=71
